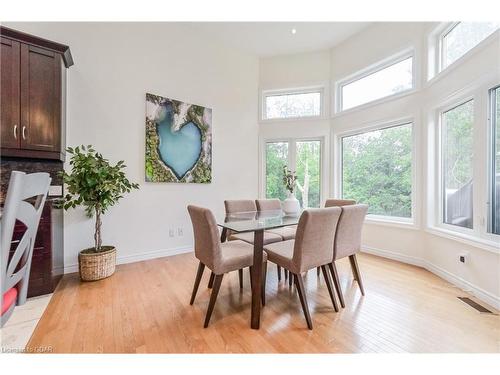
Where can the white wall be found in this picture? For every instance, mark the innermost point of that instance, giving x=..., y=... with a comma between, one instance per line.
x=115, y=65
x=414, y=244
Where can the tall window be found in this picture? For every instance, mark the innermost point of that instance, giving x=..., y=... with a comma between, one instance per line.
x=281, y=105
x=377, y=170
x=385, y=80
x=462, y=37
x=457, y=160
x=301, y=156
x=276, y=158
x=495, y=156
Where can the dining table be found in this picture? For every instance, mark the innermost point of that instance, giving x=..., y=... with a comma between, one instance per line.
x=256, y=222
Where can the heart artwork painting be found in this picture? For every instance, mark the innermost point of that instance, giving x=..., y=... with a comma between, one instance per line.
x=178, y=141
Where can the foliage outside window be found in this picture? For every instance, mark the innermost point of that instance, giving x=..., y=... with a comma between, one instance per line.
x=462, y=37
x=457, y=151
x=386, y=81
x=307, y=157
x=292, y=105
x=377, y=170
x=495, y=155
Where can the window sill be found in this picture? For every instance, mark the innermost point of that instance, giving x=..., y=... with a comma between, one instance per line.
x=481, y=243
x=390, y=222
x=293, y=119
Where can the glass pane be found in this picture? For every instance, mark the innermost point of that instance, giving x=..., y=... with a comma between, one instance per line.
x=387, y=81
x=463, y=37
x=377, y=170
x=457, y=154
x=308, y=162
x=293, y=105
x=276, y=158
x=496, y=160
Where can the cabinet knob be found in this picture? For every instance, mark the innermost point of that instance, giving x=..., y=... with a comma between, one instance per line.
x=15, y=131
x=24, y=132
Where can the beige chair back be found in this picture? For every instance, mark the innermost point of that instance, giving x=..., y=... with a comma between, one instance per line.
x=350, y=226
x=339, y=202
x=241, y=205
x=206, y=236
x=268, y=204
x=314, y=238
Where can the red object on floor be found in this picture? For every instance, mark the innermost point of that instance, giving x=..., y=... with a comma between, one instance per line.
x=8, y=299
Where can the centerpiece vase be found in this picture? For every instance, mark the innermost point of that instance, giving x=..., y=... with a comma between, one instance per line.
x=291, y=205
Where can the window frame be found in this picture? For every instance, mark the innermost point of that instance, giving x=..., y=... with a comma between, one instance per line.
x=292, y=152
x=338, y=179
x=440, y=206
x=493, y=128
x=374, y=68
x=292, y=91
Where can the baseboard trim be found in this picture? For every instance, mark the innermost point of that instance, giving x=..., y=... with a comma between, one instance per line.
x=459, y=282
x=140, y=257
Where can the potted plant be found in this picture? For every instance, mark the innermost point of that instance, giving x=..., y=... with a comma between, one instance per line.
x=290, y=205
x=96, y=185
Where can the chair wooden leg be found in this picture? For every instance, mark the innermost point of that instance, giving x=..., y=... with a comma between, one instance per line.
x=330, y=287
x=199, y=274
x=278, y=268
x=303, y=299
x=353, y=267
x=290, y=279
x=240, y=275
x=318, y=271
x=354, y=263
x=286, y=273
x=213, y=298
x=264, y=276
x=336, y=282
x=211, y=280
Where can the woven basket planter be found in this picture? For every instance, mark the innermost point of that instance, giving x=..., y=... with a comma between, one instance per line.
x=96, y=266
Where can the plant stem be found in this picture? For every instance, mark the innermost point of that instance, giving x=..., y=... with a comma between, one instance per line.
x=97, y=234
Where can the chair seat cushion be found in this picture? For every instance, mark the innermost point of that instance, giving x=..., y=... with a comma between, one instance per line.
x=236, y=255
x=8, y=299
x=281, y=253
x=287, y=233
x=248, y=237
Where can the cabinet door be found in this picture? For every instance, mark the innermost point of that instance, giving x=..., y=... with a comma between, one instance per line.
x=9, y=93
x=40, y=99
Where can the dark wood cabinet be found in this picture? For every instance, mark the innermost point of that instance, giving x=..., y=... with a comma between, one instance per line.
x=33, y=72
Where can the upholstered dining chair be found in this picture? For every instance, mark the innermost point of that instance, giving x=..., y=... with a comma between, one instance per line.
x=311, y=248
x=348, y=243
x=24, y=202
x=242, y=205
x=219, y=257
x=287, y=233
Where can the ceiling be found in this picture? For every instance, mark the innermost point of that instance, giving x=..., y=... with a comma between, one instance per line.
x=276, y=38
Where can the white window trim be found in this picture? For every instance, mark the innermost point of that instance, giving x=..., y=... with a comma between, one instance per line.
x=337, y=179
x=292, y=151
x=491, y=180
x=374, y=68
x=435, y=51
x=293, y=91
x=478, y=236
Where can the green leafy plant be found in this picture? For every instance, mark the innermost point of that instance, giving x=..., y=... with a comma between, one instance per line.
x=289, y=179
x=94, y=184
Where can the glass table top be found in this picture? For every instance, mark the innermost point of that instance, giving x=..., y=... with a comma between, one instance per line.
x=250, y=221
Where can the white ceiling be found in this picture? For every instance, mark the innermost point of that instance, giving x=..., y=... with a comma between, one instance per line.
x=276, y=38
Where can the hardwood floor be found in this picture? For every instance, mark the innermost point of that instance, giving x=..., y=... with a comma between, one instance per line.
x=145, y=307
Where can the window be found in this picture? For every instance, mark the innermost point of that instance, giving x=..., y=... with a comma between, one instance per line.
x=495, y=156
x=292, y=104
x=276, y=158
x=457, y=160
x=461, y=37
x=386, y=80
x=301, y=156
x=377, y=170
